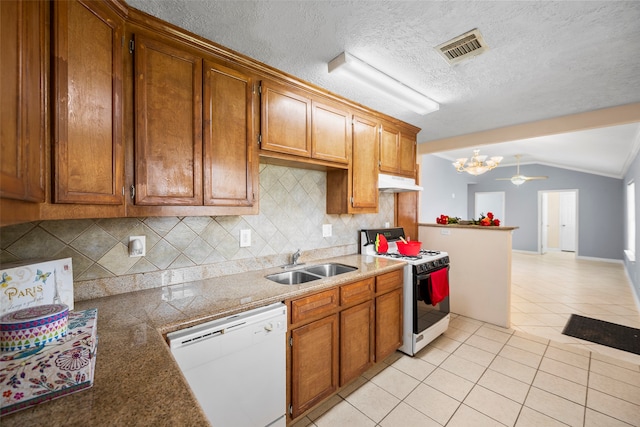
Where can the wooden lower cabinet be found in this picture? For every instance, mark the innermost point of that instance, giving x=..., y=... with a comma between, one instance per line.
x=339, y=333
x=356, y=341
x=388, y=323
x=314, y=363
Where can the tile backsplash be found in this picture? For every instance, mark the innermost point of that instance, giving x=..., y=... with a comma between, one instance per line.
x=180, y=249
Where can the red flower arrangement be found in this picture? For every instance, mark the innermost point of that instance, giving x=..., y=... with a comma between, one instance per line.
x=488, y=220
x=444, y=219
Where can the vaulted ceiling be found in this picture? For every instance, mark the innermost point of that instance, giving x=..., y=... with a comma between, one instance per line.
x=546, y=59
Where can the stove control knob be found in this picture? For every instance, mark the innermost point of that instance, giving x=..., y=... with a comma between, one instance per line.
x=268, y=327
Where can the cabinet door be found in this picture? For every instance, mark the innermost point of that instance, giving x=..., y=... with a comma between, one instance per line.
x=286, y=120
x=314, y=363
x=364, y=170
x=356, y=341
x=22, y=90
x=388, y=323
x=168, y=124
x=407, y=154
x=389, y=141
x=87, y=62
x=228, y=136
x=331, y=137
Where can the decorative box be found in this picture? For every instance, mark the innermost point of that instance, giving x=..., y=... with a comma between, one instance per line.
x=33, y=326
x=31, y=283
x=42, y=373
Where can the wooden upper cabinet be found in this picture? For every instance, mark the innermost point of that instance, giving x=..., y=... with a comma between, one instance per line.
x=168, y=124
x=397, y=151
x=286, y=120
x=365, y=158
x=87, y=91
x=389, y=143
x=22, y=89
x=229, y=177
x=331, y=136
x=407, y=154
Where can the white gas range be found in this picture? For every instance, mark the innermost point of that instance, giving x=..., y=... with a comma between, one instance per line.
x=423, y=321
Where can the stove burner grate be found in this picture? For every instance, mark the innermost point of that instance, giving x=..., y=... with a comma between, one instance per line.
x=428, y=252
x=400, y=256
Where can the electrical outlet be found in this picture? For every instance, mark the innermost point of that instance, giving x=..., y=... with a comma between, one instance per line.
x=245, y=238
x=326, y=230
x=137, y=246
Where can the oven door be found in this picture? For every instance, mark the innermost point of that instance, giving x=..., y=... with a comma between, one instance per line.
x=425, y=314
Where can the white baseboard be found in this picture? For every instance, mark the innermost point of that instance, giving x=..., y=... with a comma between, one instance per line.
x=588, y=258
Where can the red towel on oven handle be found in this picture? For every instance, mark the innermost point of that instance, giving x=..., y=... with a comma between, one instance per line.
x=439, y=289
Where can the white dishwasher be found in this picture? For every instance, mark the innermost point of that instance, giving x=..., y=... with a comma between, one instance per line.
x=236, y=366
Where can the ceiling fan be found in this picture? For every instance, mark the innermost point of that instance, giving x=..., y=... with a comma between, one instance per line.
x=518, y=179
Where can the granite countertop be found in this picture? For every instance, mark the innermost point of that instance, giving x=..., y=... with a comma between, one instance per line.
x=137, y=381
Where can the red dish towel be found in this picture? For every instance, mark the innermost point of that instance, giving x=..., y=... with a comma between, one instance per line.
x=439, y=289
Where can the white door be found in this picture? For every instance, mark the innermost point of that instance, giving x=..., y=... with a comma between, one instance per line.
x=568, y=221
x=490, y=202
x=544, y=222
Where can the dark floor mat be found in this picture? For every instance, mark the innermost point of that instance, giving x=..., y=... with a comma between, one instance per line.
x=605, y=333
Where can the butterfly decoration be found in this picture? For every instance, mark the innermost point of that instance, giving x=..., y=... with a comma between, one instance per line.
x=42, y=276
x=5, y=280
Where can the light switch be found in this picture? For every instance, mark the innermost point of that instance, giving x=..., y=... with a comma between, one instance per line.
x=245, y=238
x=326, y=230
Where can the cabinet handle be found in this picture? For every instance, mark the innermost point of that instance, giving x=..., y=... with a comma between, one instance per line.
x=133, y=192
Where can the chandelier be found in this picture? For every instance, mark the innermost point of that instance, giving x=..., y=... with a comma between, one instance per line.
x=477, y=164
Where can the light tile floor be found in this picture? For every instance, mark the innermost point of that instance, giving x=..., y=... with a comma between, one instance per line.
x=478, y=374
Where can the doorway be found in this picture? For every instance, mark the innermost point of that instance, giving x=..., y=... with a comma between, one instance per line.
x=558, y=221
x=492, y=201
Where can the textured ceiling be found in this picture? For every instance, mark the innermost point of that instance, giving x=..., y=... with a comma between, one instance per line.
x=546, y=59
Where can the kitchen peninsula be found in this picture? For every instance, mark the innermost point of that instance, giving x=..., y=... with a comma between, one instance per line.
x=480, y=274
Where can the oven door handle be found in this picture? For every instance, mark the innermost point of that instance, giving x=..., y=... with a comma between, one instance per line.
x=427, y=276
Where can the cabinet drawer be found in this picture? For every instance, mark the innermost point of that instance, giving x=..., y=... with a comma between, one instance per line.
x=314, y=305
x=356, y=292
x=389, y=281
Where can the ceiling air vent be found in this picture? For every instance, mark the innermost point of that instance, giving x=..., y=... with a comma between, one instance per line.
x=463, y=47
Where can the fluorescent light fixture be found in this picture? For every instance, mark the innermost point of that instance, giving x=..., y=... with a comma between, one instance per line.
x=380, y=81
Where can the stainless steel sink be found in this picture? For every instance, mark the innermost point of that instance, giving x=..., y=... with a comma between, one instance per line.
x=330, y=269
x=295, y=277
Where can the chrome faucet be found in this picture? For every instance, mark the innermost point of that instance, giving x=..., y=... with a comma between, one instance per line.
x=294, y=260
x=295, y=257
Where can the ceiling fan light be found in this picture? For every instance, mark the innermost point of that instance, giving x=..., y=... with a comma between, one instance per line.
x=518, y=180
